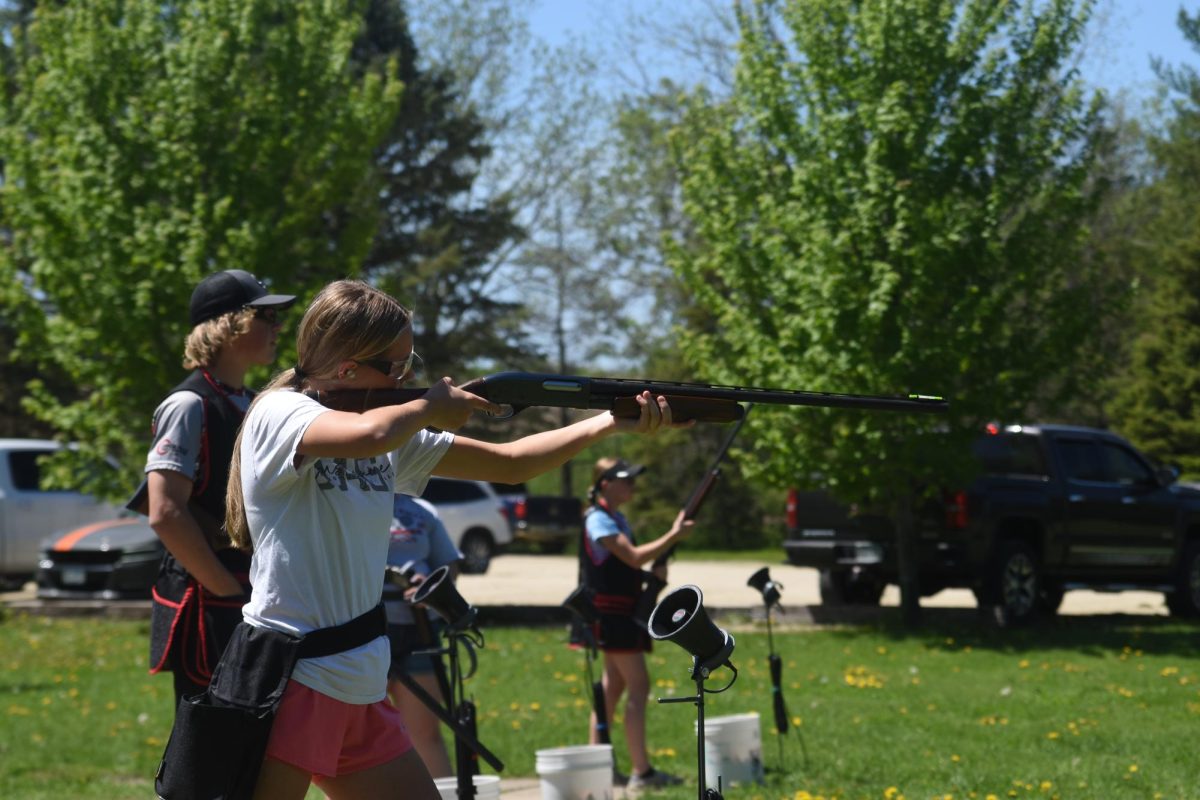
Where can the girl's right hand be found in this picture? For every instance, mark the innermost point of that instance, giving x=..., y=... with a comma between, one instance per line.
x=450, y=407
x=681, y=528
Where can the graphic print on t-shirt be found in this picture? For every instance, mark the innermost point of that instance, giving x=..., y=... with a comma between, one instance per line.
x=372, y=474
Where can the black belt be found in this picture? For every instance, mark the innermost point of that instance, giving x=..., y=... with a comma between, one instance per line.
x=361, y=630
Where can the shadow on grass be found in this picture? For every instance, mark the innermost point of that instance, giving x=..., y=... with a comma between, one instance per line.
x=955, y=628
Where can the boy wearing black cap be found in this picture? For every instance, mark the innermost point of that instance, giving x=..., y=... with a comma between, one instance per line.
x=203, y=580
x=612, y=563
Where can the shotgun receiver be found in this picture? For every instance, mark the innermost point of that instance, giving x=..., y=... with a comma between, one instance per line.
x=516, y=391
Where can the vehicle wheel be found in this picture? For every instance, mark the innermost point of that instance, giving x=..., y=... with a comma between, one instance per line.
x=833, y=587
x=477, y=548
x=1185, y=600
x=1050, y=597
x=1016, y=584
x=841, y=587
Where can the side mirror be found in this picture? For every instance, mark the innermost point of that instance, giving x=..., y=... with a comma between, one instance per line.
x=1168, y=474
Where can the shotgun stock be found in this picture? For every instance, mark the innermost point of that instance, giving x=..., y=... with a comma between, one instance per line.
x=516, y=391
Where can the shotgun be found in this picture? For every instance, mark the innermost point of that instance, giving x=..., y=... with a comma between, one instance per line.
x=516, y=391
x=654, y=584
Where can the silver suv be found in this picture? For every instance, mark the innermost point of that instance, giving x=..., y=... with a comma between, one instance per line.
x=475, y=517
x=29, y=514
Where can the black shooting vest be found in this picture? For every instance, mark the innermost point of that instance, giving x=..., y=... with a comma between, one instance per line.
x=616, y=585
x=189, y=626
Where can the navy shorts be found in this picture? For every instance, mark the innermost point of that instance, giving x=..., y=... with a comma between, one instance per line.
x=619, y=633
x=404, y=641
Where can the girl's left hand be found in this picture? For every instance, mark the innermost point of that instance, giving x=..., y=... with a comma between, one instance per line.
x=655, y=415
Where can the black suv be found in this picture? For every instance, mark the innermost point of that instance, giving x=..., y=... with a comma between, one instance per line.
x=1054, y=507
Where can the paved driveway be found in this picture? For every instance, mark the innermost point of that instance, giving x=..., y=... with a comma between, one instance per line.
x=539, y=580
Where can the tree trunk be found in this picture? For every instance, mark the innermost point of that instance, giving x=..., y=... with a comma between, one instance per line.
x=906, y=556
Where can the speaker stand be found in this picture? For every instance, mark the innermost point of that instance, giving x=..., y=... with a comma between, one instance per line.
x=599, y=707
x=459, y=713
x=700, y=673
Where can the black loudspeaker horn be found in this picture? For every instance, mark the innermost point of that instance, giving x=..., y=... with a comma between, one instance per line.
x=769, y=589
x=579, y=603
x=438, y=593
x=680, y=618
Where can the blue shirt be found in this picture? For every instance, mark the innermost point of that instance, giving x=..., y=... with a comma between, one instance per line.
x=600, y=524
x=417, y=535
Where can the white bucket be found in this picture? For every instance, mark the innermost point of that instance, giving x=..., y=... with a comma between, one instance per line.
x=487, y=787
x=584, y=772
x=732, y=749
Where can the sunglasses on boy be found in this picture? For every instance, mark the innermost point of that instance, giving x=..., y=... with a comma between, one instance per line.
x=268, y=314
x=395, y=369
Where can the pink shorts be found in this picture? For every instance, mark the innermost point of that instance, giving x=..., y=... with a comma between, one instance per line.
x=326, y=737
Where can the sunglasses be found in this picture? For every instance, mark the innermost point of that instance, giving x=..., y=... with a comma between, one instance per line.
x=269, y=315
x=395, y=369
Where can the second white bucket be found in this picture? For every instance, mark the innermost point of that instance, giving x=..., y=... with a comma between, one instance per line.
x=732, y=749
x=487, y=787
x=583, y=772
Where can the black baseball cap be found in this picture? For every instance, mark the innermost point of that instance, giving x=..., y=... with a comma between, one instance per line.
x=621, y=469
x=230, y=290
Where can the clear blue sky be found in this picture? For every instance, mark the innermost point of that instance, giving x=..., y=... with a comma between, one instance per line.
x=1125, y=34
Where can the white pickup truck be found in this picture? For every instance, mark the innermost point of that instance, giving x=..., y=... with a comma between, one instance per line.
x=31, y=515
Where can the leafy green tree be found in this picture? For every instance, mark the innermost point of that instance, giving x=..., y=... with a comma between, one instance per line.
x=1158, y=399
x=147, y=144
x=892, y=200
x=436, y=242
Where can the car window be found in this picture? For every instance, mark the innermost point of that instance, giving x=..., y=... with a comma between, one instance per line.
x=26, y=474
x=508, y=488
x=1082, y=460
x=1124, y=467
x=441, y=490
x=1010, y=454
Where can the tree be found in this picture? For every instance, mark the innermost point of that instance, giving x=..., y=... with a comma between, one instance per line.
x=1156, y=402
x=892, y=200
x=147, y=144
x=437, y=238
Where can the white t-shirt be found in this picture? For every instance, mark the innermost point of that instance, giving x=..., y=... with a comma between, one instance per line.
x=321, y=535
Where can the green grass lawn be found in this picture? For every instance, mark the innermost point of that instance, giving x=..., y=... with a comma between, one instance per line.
x=1075, y=708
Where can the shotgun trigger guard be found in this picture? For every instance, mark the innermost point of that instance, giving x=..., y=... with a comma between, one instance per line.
x=506, y=411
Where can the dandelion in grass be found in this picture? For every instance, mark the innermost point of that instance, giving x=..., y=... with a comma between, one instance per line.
x=890, y=793
x=1053, y=735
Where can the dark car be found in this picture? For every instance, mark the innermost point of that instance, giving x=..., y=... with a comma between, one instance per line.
x=549, y=521
x=116, y=559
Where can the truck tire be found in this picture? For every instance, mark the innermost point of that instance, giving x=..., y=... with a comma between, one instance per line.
x=477, y=547
x=1185, y=600
x=1050, y=597
x=843, y=587
x=1016, y=585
